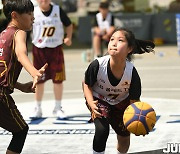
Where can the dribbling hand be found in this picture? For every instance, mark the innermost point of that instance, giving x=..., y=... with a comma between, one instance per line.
x=39, y=75
x=95, y=109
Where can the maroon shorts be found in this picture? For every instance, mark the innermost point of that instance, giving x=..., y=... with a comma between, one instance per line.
x=10, y=117
x=114, y=115
x=55, y=59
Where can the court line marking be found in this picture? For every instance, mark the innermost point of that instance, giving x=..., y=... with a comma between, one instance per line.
x=80, y=91
x=138, y=68
x=159, y=68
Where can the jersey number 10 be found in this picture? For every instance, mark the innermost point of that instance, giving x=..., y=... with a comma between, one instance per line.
x=48, y=31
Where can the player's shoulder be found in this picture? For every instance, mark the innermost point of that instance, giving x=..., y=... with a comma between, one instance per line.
x=55, y=6
x=20, y=34
x=129, y=64
x=36, y=8
x=20, y=31
x=103, y=61
x=99, y=14
x=94, y=63
x=103, y=58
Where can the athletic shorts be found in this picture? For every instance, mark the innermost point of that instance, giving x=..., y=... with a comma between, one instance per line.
x=55, y=59
x=10, y=117
x=114, y=115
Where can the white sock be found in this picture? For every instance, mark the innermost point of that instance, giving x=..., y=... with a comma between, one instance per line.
x=120, y=152
x=38, y=104
x=58, y=104
x=94, y=152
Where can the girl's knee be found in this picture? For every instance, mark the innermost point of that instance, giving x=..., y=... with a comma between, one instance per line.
x=123, y=144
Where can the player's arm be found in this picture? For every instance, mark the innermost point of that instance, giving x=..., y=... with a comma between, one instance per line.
x=68, y=37
x=25, y=87
x=135, y=87
x=95, y=28
x=68, y=27
x=90, y=100
x=111, y=28
x=21, y=53
x=89, y=81
x=88, y=93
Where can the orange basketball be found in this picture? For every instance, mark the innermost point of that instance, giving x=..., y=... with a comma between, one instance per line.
x=139, y=118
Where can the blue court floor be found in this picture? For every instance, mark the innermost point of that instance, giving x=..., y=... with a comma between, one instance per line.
x=52, y=136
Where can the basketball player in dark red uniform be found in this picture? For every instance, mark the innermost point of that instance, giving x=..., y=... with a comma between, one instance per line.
x=13, y=56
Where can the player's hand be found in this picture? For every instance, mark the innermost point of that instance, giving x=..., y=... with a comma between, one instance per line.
x=42, y=70
x=38, y=76
x=67, y=41
x=95, y=109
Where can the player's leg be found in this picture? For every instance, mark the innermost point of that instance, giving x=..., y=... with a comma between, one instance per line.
x=101, y=135
x=39, y=91
x=13, y=122
x=58, y=90
x=39, y=59
x=101, y=127
x=96, y=45
x=17, y=141
x=123, y=135
x=123, y=143
x=57, y=72
x=38, y=100
x=11, y=152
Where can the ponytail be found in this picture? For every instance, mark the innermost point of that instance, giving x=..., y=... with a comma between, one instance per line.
x=143, y=46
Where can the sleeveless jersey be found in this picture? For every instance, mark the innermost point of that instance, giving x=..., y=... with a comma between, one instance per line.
x=103, y=89
x=47, y=31
x=10, y=67
x=104, y=24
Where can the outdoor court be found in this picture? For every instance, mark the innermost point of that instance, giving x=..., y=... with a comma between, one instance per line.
x=160, y=77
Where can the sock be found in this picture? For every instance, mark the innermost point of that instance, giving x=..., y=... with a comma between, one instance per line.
x=94, y=152
x=120, y=153
x=58, y=104
x=38, y=104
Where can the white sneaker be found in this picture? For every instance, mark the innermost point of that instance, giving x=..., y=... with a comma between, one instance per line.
x=59, y=113
x=37, y=113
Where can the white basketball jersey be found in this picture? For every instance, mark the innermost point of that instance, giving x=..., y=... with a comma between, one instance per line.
x=47, y=31
x=104, y=24
x=103, y=88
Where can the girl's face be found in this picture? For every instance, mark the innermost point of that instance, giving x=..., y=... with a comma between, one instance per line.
x=118, y=45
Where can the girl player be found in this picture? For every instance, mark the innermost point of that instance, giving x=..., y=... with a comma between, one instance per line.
x=111, y=84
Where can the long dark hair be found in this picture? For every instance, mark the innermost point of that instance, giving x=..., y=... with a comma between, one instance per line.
x=138, y=46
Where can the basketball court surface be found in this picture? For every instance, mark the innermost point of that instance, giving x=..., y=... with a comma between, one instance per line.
x=160, y=74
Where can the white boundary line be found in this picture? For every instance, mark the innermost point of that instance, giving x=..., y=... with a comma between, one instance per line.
x=160, y=68
x=80, y=91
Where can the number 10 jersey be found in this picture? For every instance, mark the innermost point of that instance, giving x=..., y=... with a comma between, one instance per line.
x=47, y=31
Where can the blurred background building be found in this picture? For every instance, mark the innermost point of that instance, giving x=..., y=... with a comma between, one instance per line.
x=148, y=19
x=91, y=6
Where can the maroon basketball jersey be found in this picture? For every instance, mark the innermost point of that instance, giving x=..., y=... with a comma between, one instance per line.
x=10, y=67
